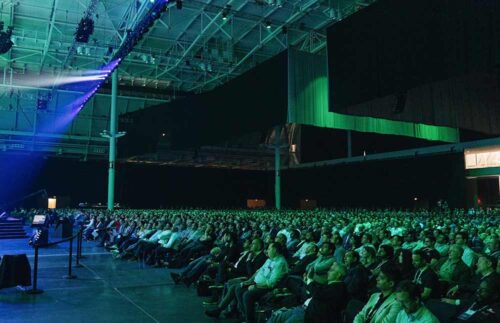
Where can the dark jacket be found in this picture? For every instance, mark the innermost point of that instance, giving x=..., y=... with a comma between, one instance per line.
x=255, y=264
x=357, y=282
x=300, y=266
x=461, y=273
x=327, y=303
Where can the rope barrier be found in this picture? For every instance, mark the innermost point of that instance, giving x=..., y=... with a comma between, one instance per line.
x=35, y=290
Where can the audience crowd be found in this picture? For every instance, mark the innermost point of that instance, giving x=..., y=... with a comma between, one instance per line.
x=350, y=265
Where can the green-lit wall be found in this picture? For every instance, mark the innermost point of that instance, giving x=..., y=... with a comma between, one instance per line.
x=308, y=104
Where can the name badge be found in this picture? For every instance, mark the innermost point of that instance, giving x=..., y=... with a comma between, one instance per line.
x=466, y=315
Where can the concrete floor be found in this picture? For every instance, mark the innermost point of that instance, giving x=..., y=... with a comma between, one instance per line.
x=105, y=290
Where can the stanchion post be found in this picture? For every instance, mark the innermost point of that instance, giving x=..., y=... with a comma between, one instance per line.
x=70, y=275
x=35, y=290
x=78, y=248
x=81, y=243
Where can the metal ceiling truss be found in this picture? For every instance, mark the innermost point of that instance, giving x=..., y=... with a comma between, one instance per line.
x=193, y=49
x=272, y=34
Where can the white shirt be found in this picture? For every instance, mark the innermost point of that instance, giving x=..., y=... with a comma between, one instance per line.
x=271, y=272
x=468, y=256
x=422, y=315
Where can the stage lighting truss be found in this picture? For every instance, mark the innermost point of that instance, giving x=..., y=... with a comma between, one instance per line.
x=131, y=40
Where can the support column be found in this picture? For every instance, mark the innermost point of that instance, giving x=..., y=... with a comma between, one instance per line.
x=277, y=167
x=349, y=143
x=112, y=141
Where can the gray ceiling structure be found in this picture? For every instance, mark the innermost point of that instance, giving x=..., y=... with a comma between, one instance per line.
x=193, y=49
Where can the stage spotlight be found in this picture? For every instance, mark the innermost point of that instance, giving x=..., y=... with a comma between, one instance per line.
x=84, y=30
x=268, y=24
x=110, y=51
x=178, y=4
x=41, y=104
x=225, y=12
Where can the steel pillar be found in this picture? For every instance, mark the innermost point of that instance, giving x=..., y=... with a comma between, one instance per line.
x=112, y=141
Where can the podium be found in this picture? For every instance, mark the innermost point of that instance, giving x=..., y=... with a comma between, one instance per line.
x=39, y=237
x=64, y=229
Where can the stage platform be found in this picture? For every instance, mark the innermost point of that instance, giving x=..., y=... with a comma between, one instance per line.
x=105, y=290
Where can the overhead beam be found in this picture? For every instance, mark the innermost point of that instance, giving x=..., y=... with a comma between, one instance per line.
x=407, y=153
x=294, y=17
x=200, y=36
x=50, y=28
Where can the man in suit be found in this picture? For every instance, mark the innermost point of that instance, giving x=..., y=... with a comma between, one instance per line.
x=254, y=260
x=326, y=301
x=382, y=307
x=299, y=267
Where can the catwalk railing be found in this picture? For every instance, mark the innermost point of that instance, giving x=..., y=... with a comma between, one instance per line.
x=79, y=239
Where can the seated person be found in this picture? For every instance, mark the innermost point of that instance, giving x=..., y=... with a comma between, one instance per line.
x=194, y=249
x=408, y=295
x=246, y=266
x=484, y=307
x=304, y=244
x=382, y=306
x=385, y=254
x=485, y=268
x=424, y=276
x=293, y=242
x=356, y=278
x=166, y=246
x=468, y=255
x=441, y=244
x=298, y=268
x=147, y=248
x=320, y=266
x=454, y=271
x=326, y=302
x=265, y=279
x=196, y=267
x=368, y=258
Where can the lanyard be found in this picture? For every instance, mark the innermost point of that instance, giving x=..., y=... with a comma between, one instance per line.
x=418, y=275
x=478, y=310
x=375, y=308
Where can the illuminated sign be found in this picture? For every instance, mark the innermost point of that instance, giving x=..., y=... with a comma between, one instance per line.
x=482, y=157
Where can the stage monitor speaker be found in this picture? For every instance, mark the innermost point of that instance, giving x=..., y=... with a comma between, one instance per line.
x=15, y=270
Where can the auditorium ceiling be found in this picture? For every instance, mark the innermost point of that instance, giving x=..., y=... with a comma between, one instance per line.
x=195, y=46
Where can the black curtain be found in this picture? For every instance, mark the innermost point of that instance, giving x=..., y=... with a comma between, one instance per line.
x=256, y=100
x=393, y=46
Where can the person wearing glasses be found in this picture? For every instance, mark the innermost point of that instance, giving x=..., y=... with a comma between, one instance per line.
x=408, y=295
